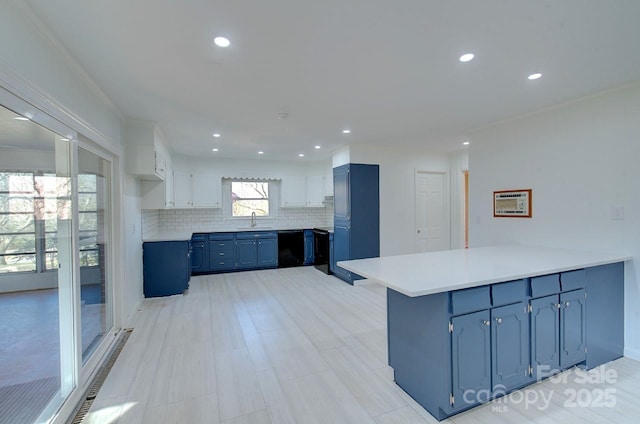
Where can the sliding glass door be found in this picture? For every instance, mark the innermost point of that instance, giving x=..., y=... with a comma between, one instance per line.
x=56, y=294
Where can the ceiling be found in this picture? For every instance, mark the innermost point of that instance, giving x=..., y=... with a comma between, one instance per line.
x=387, y=70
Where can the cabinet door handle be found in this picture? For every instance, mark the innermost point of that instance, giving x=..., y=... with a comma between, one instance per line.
x=499, y=320
x=566, y=304
x=557, y=305
x=487, y=322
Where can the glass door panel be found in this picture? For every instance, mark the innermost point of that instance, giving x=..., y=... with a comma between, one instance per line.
x=94, y=222
x=38, y=360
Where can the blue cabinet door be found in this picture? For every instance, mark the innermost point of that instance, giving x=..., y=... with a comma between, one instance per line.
x=545, y=335
x=198, y=257
x=267, y=253
x=572, y=328
x=341, y=193
x=165, y=268
x=509, y=347
x=342, y=248
x=470, y=359
x=308, y=247
x=246, y=254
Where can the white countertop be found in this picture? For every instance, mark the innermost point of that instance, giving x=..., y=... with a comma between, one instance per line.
x=435, y=272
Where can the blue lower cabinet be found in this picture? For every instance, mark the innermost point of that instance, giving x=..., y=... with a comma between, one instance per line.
x=450, y=355
x=308, y=247
x=256, y=250
x=341, y=249
x=509, y=347
x=573, y=332
x=166, y=267
x=246, y=254
x=545, y=335
x=470, y=359
x=197, y=257
x=267, y=251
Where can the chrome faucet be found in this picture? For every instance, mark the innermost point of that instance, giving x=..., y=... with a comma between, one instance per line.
x=253, y=219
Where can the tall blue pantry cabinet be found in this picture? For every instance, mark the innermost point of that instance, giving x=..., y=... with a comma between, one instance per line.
x=356, y=220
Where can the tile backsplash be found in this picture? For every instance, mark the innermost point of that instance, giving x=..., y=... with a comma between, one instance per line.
x=172, y=221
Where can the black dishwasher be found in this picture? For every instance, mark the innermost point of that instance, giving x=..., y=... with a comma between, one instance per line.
x=290, y=248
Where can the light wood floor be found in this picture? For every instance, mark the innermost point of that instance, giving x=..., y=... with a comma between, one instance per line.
x=297, y=346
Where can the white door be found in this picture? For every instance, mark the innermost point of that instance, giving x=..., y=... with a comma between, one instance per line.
x=432, y=212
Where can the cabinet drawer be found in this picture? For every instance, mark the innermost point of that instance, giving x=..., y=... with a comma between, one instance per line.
x=255, y=235
x=222, y=264
x=572, y=280
x=221, y=236
x=221, y=244
x=226, y=252
x=197, y=238
x=545, y=285
x=510, y=292
x=470, y=300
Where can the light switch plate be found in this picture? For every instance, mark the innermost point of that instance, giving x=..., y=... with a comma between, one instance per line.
x=617, y=212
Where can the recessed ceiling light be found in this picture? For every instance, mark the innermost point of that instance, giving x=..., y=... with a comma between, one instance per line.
x=301, y=155
x=214, y=149
x=346, y=131
x=216, y=135
x=466, y=57
x=466, y=143
x=261, y=152
x=21, y=118
x=534, y=76
x=222, y=41
x=317, y=147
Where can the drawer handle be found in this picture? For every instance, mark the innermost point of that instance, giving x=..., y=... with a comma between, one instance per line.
x=487, y=322
x=499, y=320
x=221, y=254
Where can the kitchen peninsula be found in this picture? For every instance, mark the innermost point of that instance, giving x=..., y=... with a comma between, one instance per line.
x=465, y=326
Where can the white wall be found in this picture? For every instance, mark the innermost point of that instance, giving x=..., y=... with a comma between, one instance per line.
x=581, y=160
x=397, y=191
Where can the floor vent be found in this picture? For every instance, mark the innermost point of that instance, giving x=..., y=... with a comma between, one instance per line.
x=100, y=377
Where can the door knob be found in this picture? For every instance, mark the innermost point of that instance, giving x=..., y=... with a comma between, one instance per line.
x=487, y=322
x=566, y=304
x=499, y=320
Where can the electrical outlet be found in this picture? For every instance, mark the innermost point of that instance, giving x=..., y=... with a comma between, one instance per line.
x=617, y=212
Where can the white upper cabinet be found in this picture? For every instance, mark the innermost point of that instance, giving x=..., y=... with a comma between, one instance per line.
x=315, y=191
x=198, y=190
x=158, y=194
x=146, y=153
x=182, y=194
x=207, y=191
x=299, y=192
x=293, y=193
